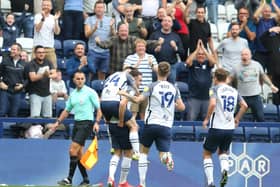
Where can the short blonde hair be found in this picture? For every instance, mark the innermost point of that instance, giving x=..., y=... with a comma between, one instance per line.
x=139, y=40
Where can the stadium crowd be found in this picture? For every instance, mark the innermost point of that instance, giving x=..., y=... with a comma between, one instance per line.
x=140, y=34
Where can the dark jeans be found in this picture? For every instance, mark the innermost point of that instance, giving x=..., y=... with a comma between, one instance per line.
x=256, y=105
x=9, y=103
x=73, y=23
x=27, y=26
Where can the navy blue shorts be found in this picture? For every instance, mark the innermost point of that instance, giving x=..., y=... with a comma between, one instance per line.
x=218, y=138
x=120, y=137
x=81, y=131
x=110, y=111
x=160, y=134
x=99, y=61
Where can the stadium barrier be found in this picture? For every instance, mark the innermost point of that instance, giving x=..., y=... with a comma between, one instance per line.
x=44, y=162
x=182, y=130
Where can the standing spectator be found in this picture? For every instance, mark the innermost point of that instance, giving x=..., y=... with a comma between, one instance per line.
x=9, y=31
x=78, y=62
x=11, y=82
x=200, y=64
x=231, y=47
x=58, y=5
x=120, y=47
x=40, y=72
x=146, y=64
x=100, y=26
x=247, y=27
x=212, y=7
x=248, y=74
x=181, y=11
x=136, y=5
x=87, y=6
x=84, y=101
x=223, y=100
x=159, y=119
x=156, y=23
x=136, y=26
x=73, y=19
x=200, y=29
x=251, y=5
x=27, y=22
x=271, y=41
x=263, y=23
x=171, y=46
x=149, y=11
x=46, y=25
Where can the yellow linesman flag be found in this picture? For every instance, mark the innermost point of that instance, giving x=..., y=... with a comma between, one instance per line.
x=90, y=157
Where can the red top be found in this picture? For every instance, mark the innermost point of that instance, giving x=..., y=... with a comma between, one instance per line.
x=179, y=15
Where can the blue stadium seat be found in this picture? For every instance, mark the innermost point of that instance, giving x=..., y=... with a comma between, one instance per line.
x=248, y=116
x=61, y=64
x=270, y=112
x=69, y=45
x=201, y=133
x=275, y=134
x=184, y=90
x=257, y=134
x=182, y=72
x=97, y=85
x=8, y=132
x=58, y=48
x=239, y=135
x=183, y=133
x=59, y=107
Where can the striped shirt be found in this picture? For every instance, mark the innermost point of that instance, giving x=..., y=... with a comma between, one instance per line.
x=144, y=67
x=120, y=49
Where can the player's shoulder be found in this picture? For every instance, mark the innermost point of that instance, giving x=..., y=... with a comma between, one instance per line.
x=221, y=88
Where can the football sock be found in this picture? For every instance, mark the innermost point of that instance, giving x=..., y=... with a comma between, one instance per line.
x=126, y=163
x=134, y=140
x=113, y=166
x=142, y=168
x=83, y=171
x=224, y=162
x=208, y=169
x=72, y=167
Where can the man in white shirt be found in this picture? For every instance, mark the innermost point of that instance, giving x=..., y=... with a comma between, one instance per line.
x=46, y=25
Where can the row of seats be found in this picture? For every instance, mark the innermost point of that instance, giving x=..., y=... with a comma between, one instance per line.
x=241, y=134
x=179, y=133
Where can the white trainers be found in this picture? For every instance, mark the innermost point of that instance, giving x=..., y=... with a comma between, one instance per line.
x=168, y=161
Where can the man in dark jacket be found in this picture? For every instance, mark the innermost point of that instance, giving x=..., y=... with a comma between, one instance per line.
x=11, y=82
